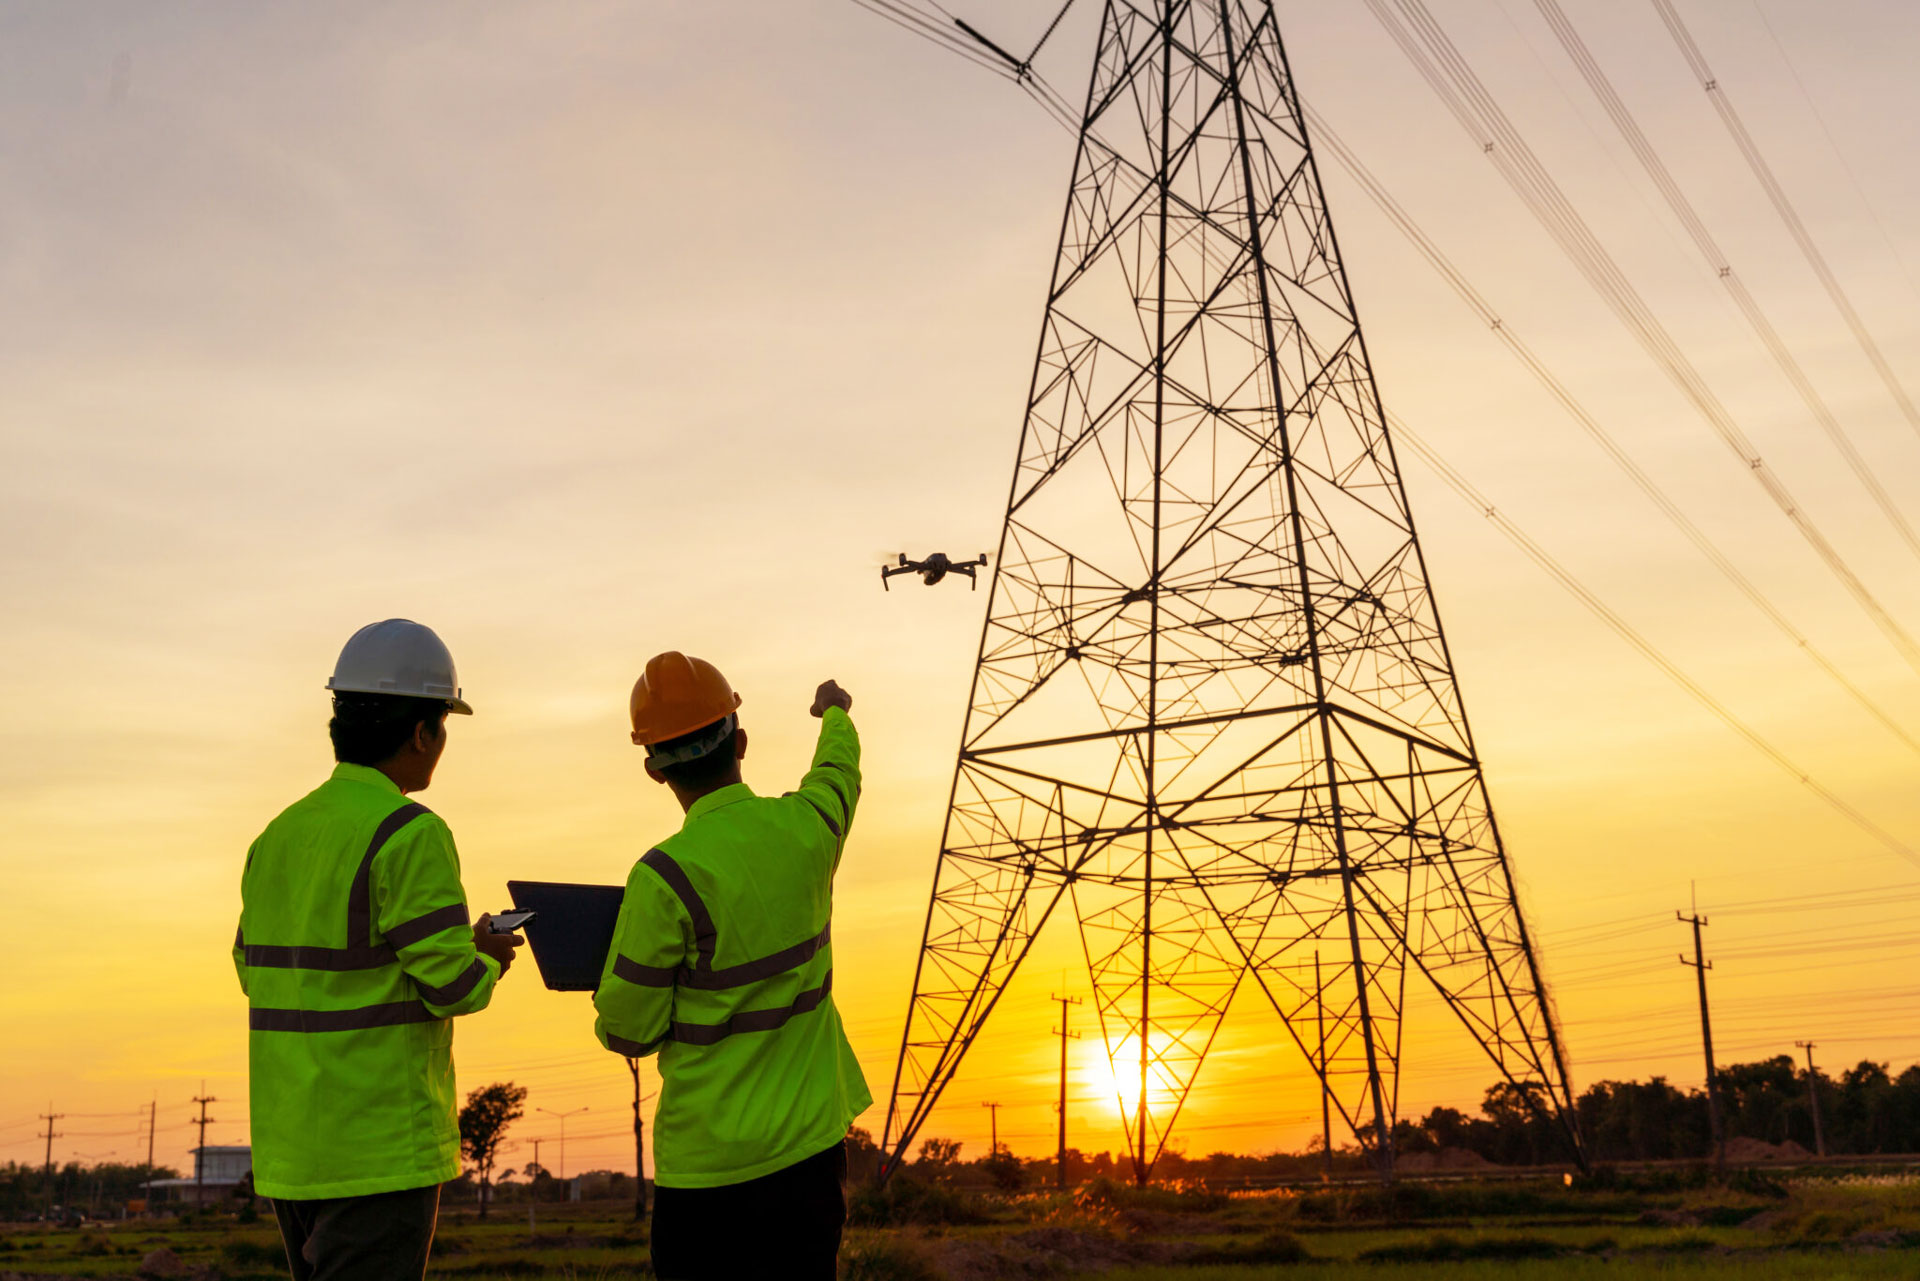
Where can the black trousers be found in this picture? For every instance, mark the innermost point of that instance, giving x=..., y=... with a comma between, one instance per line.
x=782, y=1225
x=383, y=1237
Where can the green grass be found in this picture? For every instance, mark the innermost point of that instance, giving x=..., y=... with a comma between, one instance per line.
x=1752, y=1230
x=1737, y=1267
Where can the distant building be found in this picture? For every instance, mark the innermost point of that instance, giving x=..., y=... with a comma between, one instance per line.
x=217, y=1171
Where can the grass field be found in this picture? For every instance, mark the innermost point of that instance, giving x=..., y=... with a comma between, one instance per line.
x=1755, y=1229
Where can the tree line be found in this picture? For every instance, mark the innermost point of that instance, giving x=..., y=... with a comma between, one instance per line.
x=1866, y=1110
x=24, y=1188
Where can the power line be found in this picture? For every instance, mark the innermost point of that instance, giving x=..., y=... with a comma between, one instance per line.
x=1777, y=196
x=1649, y=157
x=1833, y=144
x=1460, y=90
x=905, y=16
x=1539, y=555
x=1615, y=452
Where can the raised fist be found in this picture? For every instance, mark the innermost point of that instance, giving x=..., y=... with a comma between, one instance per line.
x=831, y=695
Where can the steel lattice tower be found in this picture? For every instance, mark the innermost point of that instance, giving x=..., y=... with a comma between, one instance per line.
x=1214, y=708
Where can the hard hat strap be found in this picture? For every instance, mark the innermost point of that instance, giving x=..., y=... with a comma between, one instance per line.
x=692, y=749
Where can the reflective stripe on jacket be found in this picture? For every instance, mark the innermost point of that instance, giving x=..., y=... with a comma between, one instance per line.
x=722, y=964
x=355, y=950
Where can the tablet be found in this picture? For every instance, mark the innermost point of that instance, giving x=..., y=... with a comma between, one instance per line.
x=572, y=930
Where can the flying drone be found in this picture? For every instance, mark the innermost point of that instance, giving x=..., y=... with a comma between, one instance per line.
x=932, y=569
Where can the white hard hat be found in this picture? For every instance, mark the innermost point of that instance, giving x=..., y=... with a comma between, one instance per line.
x=401, y=658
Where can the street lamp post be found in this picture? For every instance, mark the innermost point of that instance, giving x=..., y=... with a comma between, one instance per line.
x=563, y=1134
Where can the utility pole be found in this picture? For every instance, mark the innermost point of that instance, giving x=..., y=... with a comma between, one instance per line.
x=1060, y=1161
x=153, y=1121
x=533, y=1188
x=1813, y=1097
x=200, y=1153
x=639, y=1150
x=1700, y=965
x=50, y=1116
x=1326, y=1093
x=993, y=1113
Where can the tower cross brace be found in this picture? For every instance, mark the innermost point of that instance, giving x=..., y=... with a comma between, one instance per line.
x=1214, y=713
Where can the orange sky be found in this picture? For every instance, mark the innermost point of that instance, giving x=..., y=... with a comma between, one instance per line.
x=589, y=332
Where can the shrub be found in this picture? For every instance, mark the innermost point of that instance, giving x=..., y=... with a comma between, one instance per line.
x=903, y=1200
x=1690, y=1243
x=1182, y=1197
x=242, y=1254
x=882, y=1260
x=1441, y=1248
x=1273, y=1247
x=1756, y=1183
x=1006, y=1171
x=520, y=1266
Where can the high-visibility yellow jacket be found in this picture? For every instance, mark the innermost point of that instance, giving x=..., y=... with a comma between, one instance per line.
x=355, y=952
x=722, y=964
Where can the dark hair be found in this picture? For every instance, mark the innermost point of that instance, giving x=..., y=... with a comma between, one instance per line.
x=368, y=728
x=703, y=773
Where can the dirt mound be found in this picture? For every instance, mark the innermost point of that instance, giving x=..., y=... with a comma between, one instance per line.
x=1443, y=1159
x=1759, y=1152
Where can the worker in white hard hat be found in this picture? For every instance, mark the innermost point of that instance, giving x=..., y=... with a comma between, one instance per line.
x=356, y=952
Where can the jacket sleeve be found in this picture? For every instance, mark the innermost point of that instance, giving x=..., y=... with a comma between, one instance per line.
x=832, y=786
x=422, y=911
x=240, y=930
x=650, y=941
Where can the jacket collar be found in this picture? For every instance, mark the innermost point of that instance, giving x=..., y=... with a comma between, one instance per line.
x=731, y=794
x=365, y=774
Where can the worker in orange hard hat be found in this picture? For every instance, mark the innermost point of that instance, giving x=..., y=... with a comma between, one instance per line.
x=677, y=695
x=722, y=965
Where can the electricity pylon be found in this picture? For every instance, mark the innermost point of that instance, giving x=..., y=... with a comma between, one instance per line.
x=1214, y=709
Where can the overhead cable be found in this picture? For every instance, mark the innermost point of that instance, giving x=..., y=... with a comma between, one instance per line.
x=904, y=14
x=1626, y=631
x=1600, y=609
x=1434, y=56
x=1644, y=150
x=1457, y=280
x=1833, y=145
x=1777, y=195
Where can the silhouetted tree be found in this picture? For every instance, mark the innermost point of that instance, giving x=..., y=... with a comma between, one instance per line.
x=937, y=1157
x=483, y=1124
x=863, y=1156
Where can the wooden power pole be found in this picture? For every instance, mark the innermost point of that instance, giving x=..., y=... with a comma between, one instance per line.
x=153, y=1123
x=1060, y=1159
x=50, y=1116
x=200, y=1153
x=993, y=1119
x=1813, y=1097
x=1700, y=965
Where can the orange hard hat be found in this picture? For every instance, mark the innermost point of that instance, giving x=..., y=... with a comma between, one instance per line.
x=677, y=695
